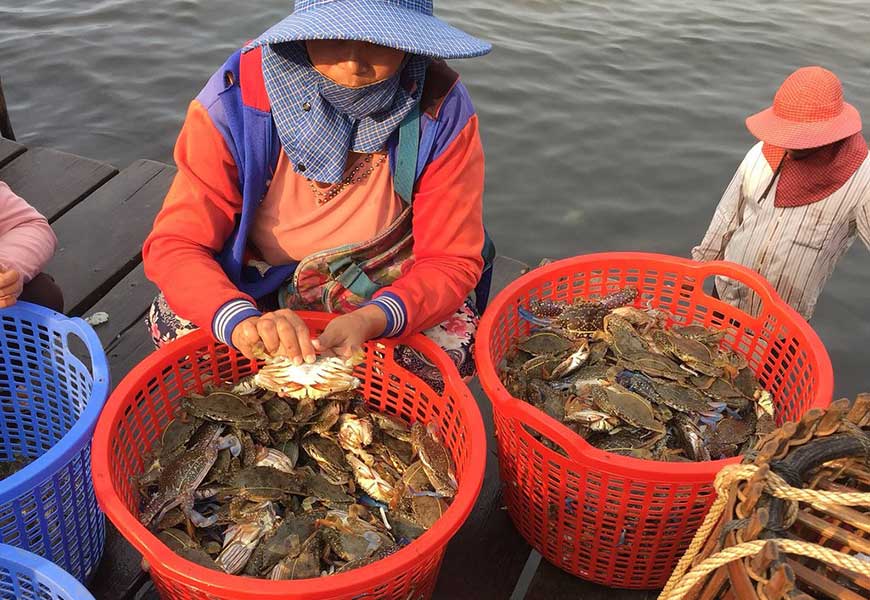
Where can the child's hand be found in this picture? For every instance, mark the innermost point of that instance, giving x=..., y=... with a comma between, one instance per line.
x=347, y=333
x=281, y=332
x=11, y=284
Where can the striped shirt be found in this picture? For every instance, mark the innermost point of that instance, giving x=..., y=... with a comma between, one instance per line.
x=795, y=249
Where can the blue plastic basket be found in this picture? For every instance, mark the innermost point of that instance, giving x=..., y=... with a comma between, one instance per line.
x=26, y=576
x=49, y=405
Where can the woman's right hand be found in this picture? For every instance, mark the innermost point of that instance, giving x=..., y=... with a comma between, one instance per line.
x=282, y=333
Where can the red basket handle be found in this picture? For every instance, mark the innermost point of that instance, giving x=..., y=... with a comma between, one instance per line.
x=744, y=275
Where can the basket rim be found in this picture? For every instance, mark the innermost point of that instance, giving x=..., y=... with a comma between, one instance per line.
x=79, y=435
x=167, y=563
x=62, y=580
x=580, y=450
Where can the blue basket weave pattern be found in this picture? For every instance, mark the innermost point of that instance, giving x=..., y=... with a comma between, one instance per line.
x=49, y=404
x=25, y=576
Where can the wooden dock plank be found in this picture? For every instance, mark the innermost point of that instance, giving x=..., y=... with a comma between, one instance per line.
x=100, y=240
x=119, y=569
x=551, y=583
x=133, y=345
x=9, y=150
x=488, y=532
x=54, y=181
x=126, y=304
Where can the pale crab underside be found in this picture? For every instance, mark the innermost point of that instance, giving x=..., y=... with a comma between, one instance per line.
x=316, y=380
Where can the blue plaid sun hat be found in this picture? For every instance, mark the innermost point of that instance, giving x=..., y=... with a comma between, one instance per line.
x=406, y=25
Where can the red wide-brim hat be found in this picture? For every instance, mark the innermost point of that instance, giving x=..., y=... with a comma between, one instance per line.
x=808, y=111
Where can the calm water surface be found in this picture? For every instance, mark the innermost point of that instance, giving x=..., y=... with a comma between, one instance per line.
x=607, y=125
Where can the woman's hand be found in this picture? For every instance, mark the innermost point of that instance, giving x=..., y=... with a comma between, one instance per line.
x=282, y=333
x=347, y=333
x=11, y=284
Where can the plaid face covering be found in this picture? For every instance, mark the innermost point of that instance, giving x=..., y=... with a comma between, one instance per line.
x=319, y=121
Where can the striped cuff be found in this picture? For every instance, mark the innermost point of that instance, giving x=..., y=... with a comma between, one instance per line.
x=228, y=316
x=394, y=309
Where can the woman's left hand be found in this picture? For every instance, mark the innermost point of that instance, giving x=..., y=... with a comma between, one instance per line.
x=347, y=333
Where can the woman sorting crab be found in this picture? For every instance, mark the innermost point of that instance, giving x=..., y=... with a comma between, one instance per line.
x=332, y=164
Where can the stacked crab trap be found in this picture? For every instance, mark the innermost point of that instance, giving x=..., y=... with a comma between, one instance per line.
x=329, y=560
x=618, y=520
x=49, y=405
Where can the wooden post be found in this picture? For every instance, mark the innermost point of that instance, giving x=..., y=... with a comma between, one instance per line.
x=5, y=124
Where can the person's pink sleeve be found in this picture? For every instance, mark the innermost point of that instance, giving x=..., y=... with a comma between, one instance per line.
x=27, y=241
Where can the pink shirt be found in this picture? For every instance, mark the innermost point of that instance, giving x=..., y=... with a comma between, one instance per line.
x=294, y=221
x=27, y=241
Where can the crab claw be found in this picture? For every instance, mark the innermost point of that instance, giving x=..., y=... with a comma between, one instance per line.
x=201, y=521
x=231, y=442
x=710, y=419
x=525, y=315
x=572, y=363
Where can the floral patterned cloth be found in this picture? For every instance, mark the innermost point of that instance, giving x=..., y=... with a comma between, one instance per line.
x=455, y=336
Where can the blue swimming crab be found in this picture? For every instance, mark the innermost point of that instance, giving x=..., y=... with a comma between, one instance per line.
x=181, y=477
x=324, y=377
x=579, y=319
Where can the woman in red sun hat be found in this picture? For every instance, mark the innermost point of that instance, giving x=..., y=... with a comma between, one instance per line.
x=798, y=198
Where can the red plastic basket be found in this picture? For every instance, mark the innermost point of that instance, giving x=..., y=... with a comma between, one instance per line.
x=614, y=520
x=144, y=401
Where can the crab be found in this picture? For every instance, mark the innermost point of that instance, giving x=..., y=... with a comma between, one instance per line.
x=415, y=478
x=327, y=417
x=746, y=383
x=355, y=433
x=547, y=399
x=225, y=407
x=391, y=426
x=696, y=356
x=721, y=390
x=271, y=457
x=572, y=362
x=729, y=434
x=654, y=365
x=628, y=442
x=546, y=343
x=376, y=481
x=173, y=441
x=582, y=411
x=183, y=545
x=553, y=356
x=700, y=333
x=427, y=509
x=261, y=484
x=240, y=539
x=436, y=460
x=301, y=563
x=315, y=485
x=350, y=537
x=627, y=406
x=691, y=438
x=278, y=412
x=682, y=398
x=322, y=378
x=180, y=478
x=622, y=337
x=329, y=456
x=642, y=320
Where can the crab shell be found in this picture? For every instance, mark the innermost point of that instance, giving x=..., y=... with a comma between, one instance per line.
x=317, y=380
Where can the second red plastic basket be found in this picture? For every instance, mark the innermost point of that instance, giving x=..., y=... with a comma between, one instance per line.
x=614, y=520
